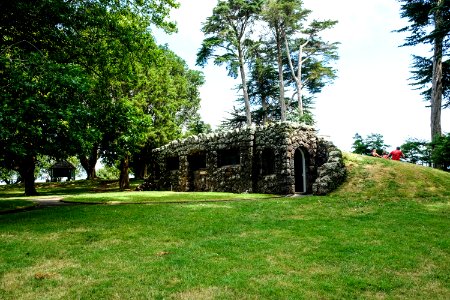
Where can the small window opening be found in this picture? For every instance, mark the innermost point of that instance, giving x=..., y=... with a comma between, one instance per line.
x=268, y=162
x=156, y=171
x=228, y=157
x=197, y=161
x=173, y=163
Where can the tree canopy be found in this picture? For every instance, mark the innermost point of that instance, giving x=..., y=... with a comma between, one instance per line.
x=429, y=24
x=86, y=78
x=283, y=53
x=366, y=145
x=228, y=32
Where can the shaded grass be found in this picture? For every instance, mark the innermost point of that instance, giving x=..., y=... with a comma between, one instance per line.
x=12, y=197
x=11, y=205
x=65, y=188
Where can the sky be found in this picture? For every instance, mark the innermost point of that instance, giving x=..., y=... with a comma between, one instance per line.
x=372, y=92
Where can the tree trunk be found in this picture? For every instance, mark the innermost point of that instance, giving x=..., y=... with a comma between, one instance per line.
x=140, y=163
x=27, y=173
x=298, y=81
x=248, y=113
x=88, y=163
x=298, y=77
x=436, y=89
x=280, y=75
x=264, y=108
x=124, y=179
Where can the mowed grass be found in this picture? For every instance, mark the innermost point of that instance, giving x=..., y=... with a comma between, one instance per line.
x=11, y=192
x=382, y=235
x=161, y=197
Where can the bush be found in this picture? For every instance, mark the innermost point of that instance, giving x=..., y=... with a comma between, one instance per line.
x=108, y=173
x=441, y=152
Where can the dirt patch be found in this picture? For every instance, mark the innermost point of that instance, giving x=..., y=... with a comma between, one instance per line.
x=204, y=293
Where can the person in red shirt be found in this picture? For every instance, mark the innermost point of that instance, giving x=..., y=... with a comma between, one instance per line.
x=396, y=154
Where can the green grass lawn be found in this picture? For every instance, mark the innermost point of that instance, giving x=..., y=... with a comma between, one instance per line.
x=10, y=205
x=382, y=235
x=162, y=197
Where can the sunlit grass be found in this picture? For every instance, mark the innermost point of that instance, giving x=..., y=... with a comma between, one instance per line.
x=310, y=247
x=163, y=196
x=375, y=177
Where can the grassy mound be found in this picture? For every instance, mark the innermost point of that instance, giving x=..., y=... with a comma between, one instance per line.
x=370, y=177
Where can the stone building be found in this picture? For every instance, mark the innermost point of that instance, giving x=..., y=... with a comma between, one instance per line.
x=282, y=158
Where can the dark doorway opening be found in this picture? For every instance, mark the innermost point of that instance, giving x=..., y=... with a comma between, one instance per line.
x=267, y=162
x=300, y=171
x=197, y=171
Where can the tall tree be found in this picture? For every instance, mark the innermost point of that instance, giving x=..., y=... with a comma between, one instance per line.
x=309, y=71
x=429, y=24
x=273, y=14
x=228, y=31
x=262, y=88
x=310, y=67
x=41, y=111
x=172, y=101
x=292, y=16
x=287, y=19
x=46, y=72
x=117, y=54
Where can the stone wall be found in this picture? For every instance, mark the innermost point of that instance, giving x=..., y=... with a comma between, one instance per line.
x=254, y=159
x=331, y=173
x=212, y=147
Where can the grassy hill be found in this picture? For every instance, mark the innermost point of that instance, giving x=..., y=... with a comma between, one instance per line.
x=371, y=177
x=381, y=235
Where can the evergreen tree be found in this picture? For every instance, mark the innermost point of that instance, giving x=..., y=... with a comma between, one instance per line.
x=359, y=146
x=303, y=48
x=228, y=31
x=272, y=67
x=429, y=24
x=441, y=152
x=366, y=145
x=417, y=151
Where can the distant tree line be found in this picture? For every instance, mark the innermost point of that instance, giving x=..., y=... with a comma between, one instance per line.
x=86, y=79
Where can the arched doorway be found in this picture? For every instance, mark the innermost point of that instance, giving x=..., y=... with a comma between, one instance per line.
x=300, y=171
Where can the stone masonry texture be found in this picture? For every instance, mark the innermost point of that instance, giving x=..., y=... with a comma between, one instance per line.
x=281, y=158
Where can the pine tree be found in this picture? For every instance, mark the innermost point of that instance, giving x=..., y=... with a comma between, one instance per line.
x=430, y=24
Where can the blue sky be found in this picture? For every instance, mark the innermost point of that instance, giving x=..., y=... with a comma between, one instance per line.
x=372, y=92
